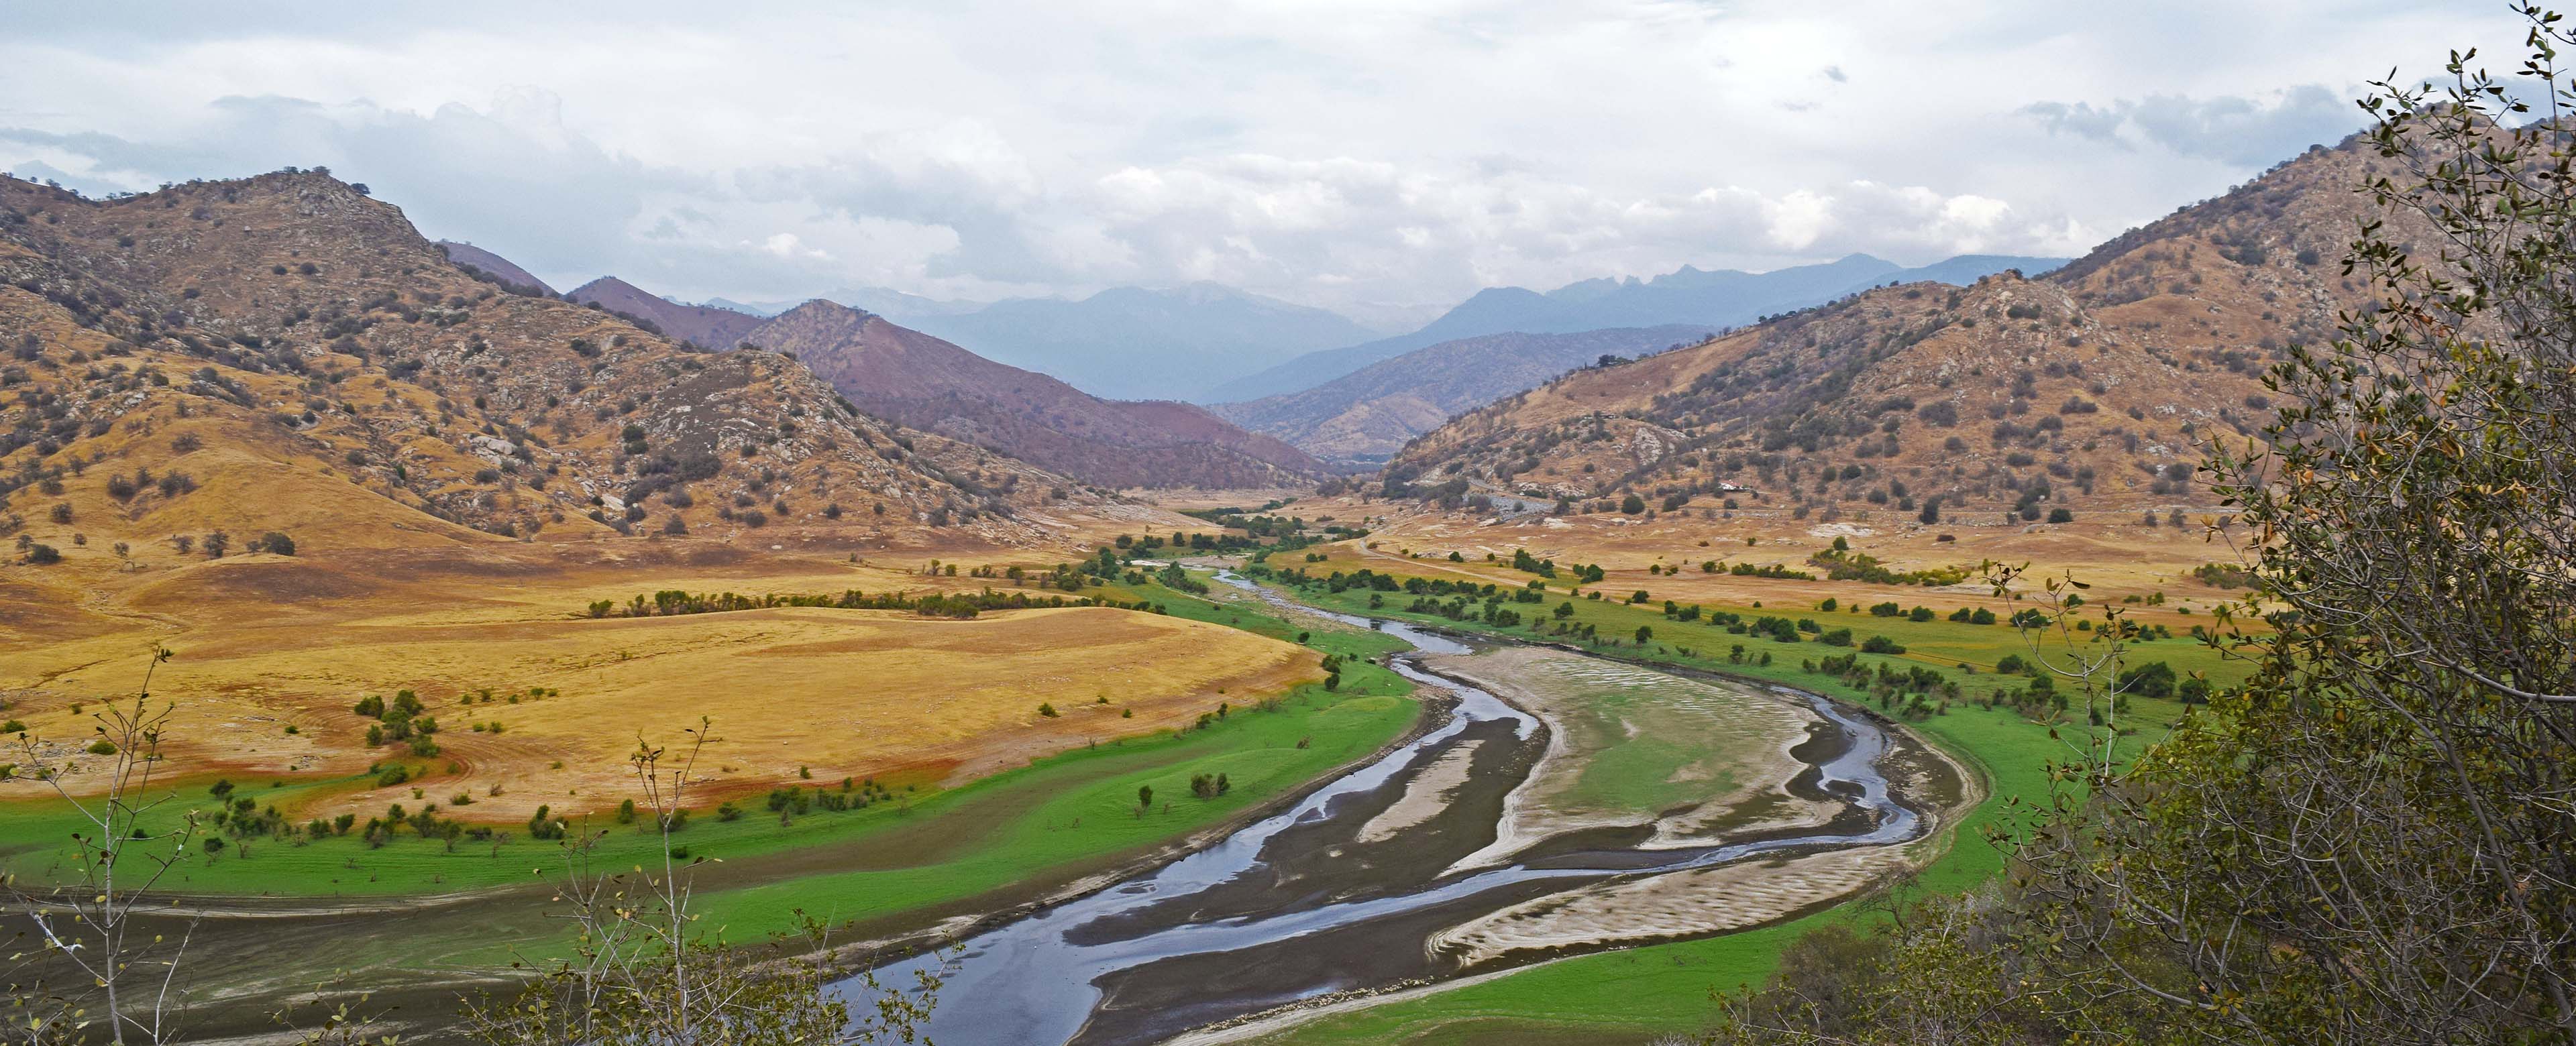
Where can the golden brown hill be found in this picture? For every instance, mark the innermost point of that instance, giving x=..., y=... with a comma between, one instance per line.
x=2092, y=388
x=285, y=353
x=923, y=382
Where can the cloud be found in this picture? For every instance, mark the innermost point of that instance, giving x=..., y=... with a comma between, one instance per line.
x=511, y=175
x=2228, y=128
x=786, y=245
x=1369, y=155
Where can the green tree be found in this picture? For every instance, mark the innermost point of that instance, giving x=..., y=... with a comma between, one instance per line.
x=2369, y=841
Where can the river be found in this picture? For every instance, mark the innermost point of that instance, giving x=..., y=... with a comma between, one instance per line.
x=1296, y=906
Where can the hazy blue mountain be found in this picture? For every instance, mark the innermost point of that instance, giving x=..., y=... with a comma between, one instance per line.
x=900, y=307
x=1127, y=342
x=1364, y=417
x=1962, y=270
x=747, y=308
x=1686, y=297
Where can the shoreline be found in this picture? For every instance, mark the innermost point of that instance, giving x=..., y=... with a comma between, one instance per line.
x=1942, y=819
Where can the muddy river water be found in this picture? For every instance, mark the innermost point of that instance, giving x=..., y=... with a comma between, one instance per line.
x=1308, y=902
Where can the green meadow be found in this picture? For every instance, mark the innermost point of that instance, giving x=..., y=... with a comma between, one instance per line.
x=1667, y=988
x=930, y=852
x=998, y=837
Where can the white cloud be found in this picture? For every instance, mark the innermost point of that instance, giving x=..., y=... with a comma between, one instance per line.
x=1363, y=154
x=786, y=245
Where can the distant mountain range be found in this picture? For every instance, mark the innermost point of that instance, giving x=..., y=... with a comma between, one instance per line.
x=1364, y=417
x=891, y=372
x=702, y=325
x=1126, y=342
x=1689, y=296
x=2006, y=400
x=1264, y=362
x=922, y=382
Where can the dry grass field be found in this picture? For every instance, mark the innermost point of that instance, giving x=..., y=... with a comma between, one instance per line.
x=2118, y=556
x=273, y=651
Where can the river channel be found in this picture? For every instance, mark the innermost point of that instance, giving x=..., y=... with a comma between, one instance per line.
x=1307, y=902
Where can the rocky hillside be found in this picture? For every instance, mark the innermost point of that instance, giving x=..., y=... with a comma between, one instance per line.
x=1366, y=416
x=285, y=353
x=700, y=325
x=923, y=382
x=2093, y=387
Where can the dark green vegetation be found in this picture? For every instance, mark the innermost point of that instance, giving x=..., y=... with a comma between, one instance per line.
x=2368, y=840
x=1959, y=655
x=1946, y=684
x=935, y=604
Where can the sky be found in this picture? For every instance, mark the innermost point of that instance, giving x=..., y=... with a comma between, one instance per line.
x=1382, y=158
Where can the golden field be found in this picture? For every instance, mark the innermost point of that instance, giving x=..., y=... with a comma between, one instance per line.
x=2113, y=552
x=265, y=643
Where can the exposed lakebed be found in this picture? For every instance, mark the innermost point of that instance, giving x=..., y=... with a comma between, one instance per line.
x=1637, y=805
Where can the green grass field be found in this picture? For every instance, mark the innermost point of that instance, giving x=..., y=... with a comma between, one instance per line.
x=1050, y=821
x=938, y=851
x=1667, y=988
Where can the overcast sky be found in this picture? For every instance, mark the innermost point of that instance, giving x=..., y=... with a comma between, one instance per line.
x=1372, y=156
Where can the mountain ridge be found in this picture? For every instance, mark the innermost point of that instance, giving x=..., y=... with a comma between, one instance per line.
x=1130, y=343
x=702, y=325
x=472, y=257
x=310, y=362
x=2092, y=386
x=927, y=383
x=1688, y=296
x=1369, y=414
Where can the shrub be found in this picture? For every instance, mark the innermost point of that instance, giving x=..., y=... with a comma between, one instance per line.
x=2153, y=679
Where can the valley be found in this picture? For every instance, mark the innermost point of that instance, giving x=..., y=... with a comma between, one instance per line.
x=1082, y=528
x=963, y=659
x=1345, y=893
